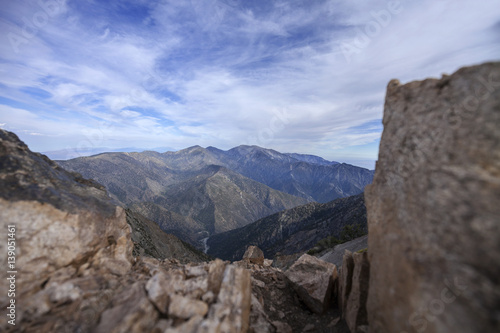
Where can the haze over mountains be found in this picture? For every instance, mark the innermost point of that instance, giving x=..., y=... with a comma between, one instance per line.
x=197, y=192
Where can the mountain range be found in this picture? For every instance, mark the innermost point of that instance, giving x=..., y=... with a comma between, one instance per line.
x=197, y=192
x=291, y=231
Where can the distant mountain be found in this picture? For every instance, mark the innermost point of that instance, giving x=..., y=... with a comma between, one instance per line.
x=196, y=192
x=307, y=176
x=69, y=153
x=290, y=231
x=311, y=159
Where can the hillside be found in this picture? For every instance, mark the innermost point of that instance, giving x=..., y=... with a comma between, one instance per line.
x=290, y=231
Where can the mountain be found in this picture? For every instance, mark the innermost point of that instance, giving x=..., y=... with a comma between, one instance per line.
x=290, y=231
x=311, y=159
x=306, y=176
x=182, y=192
x=197, y=192
x=150, y=240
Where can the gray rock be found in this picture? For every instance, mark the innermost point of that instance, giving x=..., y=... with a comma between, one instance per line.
x=433, y=208
x=254, y=255
x=355, y=306
x=313, y=281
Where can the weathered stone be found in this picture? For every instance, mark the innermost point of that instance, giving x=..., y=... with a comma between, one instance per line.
x=234, y=301
x=254, y=255
x=215, y=274
x=355, y=307
x=185, y=308
x=313, y=281
x=259, y=321
x=157, y=292
x=190, y=326
x=433, y=208
x=132, y=312
x=345, y=281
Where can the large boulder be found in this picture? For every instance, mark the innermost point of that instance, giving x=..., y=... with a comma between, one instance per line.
x=433, y=208
x=313, y=280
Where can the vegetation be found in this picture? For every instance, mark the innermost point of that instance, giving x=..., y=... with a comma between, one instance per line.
x=348, y=233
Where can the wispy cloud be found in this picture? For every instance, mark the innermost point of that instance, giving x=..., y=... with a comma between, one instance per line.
x=217, y=72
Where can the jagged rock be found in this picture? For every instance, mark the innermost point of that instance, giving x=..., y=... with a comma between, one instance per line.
x=345, y=281
x=131, y=312
x=157, y=292
x=259, y=321
x=234, y=301
x=433, y=208
x=313, y=281
x=185, y=308
x=215, y=274
x=254, y=255
x=355, y=308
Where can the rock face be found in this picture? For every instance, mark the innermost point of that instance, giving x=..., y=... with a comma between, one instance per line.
x=313, y=280
x=433, y=208
x=254, y=255
x=354, y=307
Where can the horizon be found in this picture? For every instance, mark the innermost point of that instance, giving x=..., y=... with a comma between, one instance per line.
x=64, y=155
x=302, y=77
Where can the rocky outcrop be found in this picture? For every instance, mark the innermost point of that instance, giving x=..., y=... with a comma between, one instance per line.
x=354, y=307
x=433, y=207
x=254, y=255
x=313, y=280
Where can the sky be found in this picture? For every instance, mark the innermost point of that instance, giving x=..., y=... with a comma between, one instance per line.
x=79, y=77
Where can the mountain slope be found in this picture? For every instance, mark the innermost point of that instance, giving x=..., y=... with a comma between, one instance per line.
x=150, y=240
x=290, y=231
x=224, y=200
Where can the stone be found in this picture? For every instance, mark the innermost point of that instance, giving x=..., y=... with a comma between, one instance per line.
x=132, y=312
x=313, y=281
x=254, y=255
x=259, y=321
x=215, y=274
x=233, y=304
x=355, y=308
x=157, y=293
x=345, y=281
x=185, y=308
x=433, y=207
x=190, y=326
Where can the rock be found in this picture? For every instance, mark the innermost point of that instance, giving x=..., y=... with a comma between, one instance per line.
x=132, y=312
x=433, y=207
x=234, y=301
x=282, y=327
x=190, y=326
x=185, y=308
x=355, y=308
x=259, y=321
x=313, y=281
x=345, y=281
x=215, y=274
x=157, y=292
x=254, y=255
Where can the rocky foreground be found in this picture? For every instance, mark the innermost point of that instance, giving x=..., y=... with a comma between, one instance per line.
x=82, y=264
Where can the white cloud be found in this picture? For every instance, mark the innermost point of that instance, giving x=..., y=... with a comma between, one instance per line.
x=194, y=73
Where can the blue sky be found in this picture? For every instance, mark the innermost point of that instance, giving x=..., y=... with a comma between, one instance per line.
x=296, y=76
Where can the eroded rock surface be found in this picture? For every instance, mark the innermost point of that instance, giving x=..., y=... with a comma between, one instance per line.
x=433, y=208
x=254, y=255
x=313, y=280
